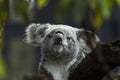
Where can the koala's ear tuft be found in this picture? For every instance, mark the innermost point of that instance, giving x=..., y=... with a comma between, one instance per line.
x=41, y=29
x=31, y=33
x=88, y=39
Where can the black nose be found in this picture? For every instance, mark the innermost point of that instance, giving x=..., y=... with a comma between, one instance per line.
x=58, y=38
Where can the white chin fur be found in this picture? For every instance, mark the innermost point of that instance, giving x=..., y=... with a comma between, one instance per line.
x=58, y=48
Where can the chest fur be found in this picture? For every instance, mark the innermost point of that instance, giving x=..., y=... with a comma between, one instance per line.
x=59, y=72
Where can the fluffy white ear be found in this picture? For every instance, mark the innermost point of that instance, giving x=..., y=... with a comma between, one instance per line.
x=87, y=40
x=35, y=33
x=31, y=33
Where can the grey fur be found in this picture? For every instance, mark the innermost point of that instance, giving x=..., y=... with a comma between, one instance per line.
x=62, y=47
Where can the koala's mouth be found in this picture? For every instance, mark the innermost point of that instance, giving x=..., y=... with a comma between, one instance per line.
x=58, y=43
x=58, y=48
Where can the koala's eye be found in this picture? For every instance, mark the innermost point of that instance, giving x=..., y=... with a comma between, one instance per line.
x=49, y=36
x=68, y=38
x=41, y=33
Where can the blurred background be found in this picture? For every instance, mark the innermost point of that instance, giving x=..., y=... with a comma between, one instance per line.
x=18, y=58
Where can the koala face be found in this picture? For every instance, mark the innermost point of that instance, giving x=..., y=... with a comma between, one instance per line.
x=61, y=42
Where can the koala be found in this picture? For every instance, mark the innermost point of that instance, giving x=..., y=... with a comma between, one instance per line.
x=62, y=48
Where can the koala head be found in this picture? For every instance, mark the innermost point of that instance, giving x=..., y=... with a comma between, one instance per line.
x=61, y=42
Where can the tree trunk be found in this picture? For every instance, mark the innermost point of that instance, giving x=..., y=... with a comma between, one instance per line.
x=99, y=62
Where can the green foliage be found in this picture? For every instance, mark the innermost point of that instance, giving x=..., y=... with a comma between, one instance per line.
x=42, y=3
x=102, y=10
x=118, y=1
x=3, y=72
x=18, y=10
x=3, y=18
x=78, y=9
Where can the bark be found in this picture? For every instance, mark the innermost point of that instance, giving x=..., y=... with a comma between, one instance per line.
x=99, y=62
